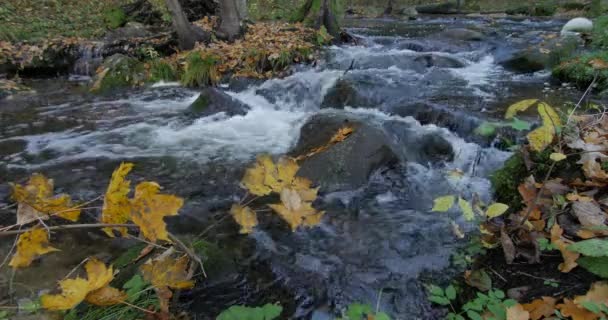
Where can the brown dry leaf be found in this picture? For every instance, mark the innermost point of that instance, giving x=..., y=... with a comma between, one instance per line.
x=508, y=247
x=598, y=294
x=148, y=209
x=589, y=214
x=245, y=217
x=598, y=64
x=95, y=289
x=106, y=296
x=116, y=205
x=31, y=245
x=590, y=233
x=561, y=244
x=569, y=309
x=517, y=312
x=540, y=308
x=295, y=211
x=168, y=272
x=36, y=201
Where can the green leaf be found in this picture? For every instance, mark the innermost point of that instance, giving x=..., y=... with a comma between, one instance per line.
x=3, y=315
x=450, y=292
x=591, y=247
x=482, y=281
x=474, y=315
x=509, y=303
x=486, y=129
x=595, y=265
x=496, y=209
x=443, y=204
x=467, y=209
x=134, y=286
x=439, y=300
x=357, y=311
x=518, y=107
x=520, y=125
x=266, y=312
x=591, y=306
x=435, y=290
x=382, y=316
x=499, y=294
x=498, y=310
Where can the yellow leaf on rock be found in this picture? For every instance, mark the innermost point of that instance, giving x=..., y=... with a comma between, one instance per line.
x=543, y=136
x=116, y=206
x=95, y=289
x=36, y=201
x=31, y=245
x=295, y=211
x=517, y=312
x=245, y=217
x=106, y=296
x=265, y=177
x=148, y=209
x=519, y=107
x=167, y=272
x=496, y=209
x=561, y=244
x=443, y=204
x=539, y=308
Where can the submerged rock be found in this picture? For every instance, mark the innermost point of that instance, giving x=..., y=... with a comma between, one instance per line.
x=462, y=34
x=346, y=165
x=213, y=100
x=342, y=94
x=439, y=61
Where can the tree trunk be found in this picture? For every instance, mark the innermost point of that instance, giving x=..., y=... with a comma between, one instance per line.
x=318, y=13
x=188, y=35
x=230, y=20
x=242, y=9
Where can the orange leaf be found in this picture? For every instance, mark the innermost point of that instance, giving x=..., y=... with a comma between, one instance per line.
x=570, y=309
x=540, y=308
x=149, y=208
x=517, y=312
x=598, y=294
x=561, y=243
x=167, y=272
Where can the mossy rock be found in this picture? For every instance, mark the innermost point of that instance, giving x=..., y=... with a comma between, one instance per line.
x=119, y=71
x=579, y=72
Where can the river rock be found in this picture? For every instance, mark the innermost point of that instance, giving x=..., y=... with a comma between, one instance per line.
x=342, y=94
x=577, y=25
x=439, y=61
x=438, y=8
x=415, y=145
x=130, y=30
x=540, y=56
x=462, y=34
x=119, y=71
x=346, y=165
x=212, y=101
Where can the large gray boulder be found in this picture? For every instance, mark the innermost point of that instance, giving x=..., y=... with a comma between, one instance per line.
x=346, y=165
x=212, y=101
x=342, y=94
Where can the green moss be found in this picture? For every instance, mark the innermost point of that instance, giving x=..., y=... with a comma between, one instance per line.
x=200, y=104
x=114, y=17
x=122, y=72
x=506, y=180
x=579, y=72
x=162, y=71
x=600, y=33
x=200, y=70
x=215, y=259
x=128, y=256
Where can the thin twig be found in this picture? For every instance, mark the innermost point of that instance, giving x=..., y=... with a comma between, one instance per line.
x=497, y=274
x=137, y=307
x=71, y=226
x=538, y=195
x=582, y=98
x=8, y=206
x=147, y=242
x=188, y=251
x=212, y=225
x=536, y=277
x=76, y=267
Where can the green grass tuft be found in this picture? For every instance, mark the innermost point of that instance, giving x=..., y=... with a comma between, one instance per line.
x=162, y=71
x=579, y=72
x=201, y=70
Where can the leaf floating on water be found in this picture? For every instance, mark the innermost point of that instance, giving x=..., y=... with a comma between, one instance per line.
x=36, y=201
x=30, y=245
x=95, y=289
x=245, y=217
x=519, y=107
x=443, y=204
x=149, y=208
x=116, y=205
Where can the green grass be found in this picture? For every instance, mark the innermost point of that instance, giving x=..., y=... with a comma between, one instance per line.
x=35, y=20
x=600, y=33
x=162, y=71
x=579, y=72
x=201, y=70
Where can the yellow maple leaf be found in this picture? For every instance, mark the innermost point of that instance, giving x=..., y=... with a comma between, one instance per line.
x=541, y=137
x=95, y=289
x=167, y=272
x=245, y=217
x=36, y=201
x=116, y=205
x=265, y=177
x=148, y=209
x=518, y=107
x=295, y=211
x=31, y=245
x=561, y=244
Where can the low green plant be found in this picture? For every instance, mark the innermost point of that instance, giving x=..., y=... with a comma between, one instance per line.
x=600, y=33
x=494, y=302
x=114, y=17
x=580, y=72
x=594, y=255
x=465, y=257
x=545, y=245
x=162, y=71
x=200, y=70
x=358, y=311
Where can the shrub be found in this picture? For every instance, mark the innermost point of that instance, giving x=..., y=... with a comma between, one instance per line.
x=200, y=70
x=162, y=71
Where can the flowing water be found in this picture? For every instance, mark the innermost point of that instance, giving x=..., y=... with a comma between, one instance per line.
x=378, y=238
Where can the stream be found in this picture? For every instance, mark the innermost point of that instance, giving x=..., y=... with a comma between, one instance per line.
x=377, y=244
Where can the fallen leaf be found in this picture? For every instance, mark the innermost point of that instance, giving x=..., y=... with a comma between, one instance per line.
x=478, y=279
x=106, y=296
x=589, y=214
x=496, y=209
x=539, y=308
x=557, y=157
x=167, y=272
x=517, y=312
x=30, y=245
x=519, y=107
x=561, y=244
x=245, y=217
x=508, y=247
x=116, y=206
x=467, y=210
x=295, y=211
x=148, y=209
x=73, y=292
x=456, y=230
x=541, y=137
x=443, y=204
x=569, y=309
x=598, y=294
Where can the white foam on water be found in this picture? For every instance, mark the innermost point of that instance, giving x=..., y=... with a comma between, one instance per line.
x=478, y=73
x=163, y=84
